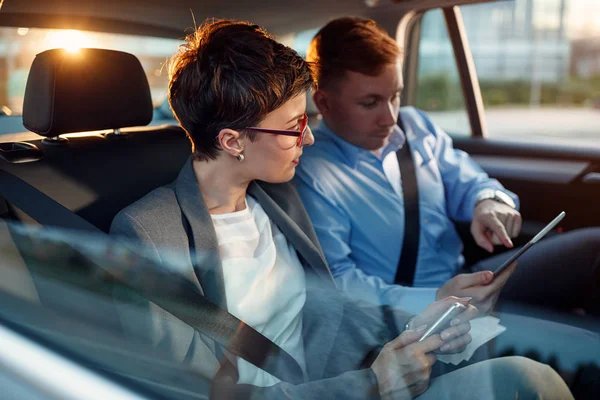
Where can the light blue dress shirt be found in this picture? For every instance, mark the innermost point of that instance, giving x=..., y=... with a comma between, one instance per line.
x=354, y=198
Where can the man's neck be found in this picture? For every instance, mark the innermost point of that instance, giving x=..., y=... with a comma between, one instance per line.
x=379, y=152
x=221, y=186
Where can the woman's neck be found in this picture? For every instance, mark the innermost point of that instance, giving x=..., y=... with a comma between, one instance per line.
x=223, y=189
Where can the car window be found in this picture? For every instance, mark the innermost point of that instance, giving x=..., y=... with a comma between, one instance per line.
x=302, y=40
x=538, y=64
x=18, y=47
x=438, y=84
x=63, y=290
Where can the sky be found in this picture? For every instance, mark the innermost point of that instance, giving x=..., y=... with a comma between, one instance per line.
x=583, y=18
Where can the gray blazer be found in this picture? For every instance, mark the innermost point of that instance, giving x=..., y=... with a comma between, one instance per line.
x=341, y=337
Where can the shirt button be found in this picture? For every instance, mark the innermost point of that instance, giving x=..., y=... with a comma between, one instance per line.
x=425, y=221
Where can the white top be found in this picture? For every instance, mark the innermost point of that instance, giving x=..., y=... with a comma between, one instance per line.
x=264, y=283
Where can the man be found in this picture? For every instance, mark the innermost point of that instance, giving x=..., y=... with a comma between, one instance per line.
x=353, y=189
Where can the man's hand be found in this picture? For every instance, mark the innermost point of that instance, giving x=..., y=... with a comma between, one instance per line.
x=495, y=223
x=456, y=337
x=403, y=366
x=482, y=287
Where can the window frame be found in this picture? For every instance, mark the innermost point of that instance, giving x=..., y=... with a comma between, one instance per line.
x=408, y=34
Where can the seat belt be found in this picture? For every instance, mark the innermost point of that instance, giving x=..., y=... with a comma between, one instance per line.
x=39, y=206
x=4, y=210
x=405, y=272
x=198, y=312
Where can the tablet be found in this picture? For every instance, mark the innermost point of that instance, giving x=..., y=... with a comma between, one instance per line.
x=533, y=241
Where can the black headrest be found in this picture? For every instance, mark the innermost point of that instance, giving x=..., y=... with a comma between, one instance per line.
x=90, y=90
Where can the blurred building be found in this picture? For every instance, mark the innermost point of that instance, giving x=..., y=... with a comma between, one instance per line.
x=585, y=60
x=510, y=40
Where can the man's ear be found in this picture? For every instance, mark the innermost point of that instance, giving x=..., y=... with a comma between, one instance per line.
x=230, y=142
x=321, y=100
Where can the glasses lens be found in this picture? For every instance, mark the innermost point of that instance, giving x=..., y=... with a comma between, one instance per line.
x=303, y=126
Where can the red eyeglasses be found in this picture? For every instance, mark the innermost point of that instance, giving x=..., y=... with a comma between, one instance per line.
x=300, y=133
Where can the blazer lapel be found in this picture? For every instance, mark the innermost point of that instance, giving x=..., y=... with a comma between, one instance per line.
x=321, y=317
x=280, y=203
x=324, y=307
x=201, y=235
x=289, y=215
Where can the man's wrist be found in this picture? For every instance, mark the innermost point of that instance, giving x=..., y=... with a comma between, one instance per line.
x=496, y=195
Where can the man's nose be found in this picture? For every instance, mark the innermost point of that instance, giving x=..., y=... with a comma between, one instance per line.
x=389, y=115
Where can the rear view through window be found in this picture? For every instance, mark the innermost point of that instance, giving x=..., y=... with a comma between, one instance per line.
x=538, y=64
x=19, y=46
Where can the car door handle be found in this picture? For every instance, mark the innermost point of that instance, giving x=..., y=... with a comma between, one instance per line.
x=591, y=177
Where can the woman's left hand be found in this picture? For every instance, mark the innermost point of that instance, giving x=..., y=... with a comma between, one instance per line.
x=457, y=336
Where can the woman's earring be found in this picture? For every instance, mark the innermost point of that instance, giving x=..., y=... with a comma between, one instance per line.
x=240, y=157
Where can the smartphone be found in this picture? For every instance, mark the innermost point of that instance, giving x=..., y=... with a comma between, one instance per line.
x=533, y=241
x=443, y=322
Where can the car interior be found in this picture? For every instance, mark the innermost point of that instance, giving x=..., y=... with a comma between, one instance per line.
x=97, y=175
x=90, y=143
x=108, y=171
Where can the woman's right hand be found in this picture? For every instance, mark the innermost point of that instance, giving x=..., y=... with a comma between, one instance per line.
x=404, y=365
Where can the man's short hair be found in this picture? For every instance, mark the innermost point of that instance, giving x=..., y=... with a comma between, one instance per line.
x=231, y=74
x=351, y=44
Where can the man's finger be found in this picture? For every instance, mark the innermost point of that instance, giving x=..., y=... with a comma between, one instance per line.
x=478, y=231
x=496, y=241
x=503, y=276
x=500, y=280
x=498, y=228
x=509, y=224
x=464, y=281
x=517, y=225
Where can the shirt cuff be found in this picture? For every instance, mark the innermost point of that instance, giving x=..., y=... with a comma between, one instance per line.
x=416, y=300
x=513, y=196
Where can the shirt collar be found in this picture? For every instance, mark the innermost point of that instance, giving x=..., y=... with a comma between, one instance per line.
x=354, y=153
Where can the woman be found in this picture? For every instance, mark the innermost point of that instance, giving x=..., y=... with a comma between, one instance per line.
x=248, y=246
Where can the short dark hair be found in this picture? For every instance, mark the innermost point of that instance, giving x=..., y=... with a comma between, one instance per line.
x=351, y=44
x=231, y=74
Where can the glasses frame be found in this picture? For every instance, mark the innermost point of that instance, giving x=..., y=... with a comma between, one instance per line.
x=300, y=133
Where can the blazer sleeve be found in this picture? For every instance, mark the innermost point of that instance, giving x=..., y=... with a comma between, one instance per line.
x=126, y=227
x=354, y=385
x=365, y=326
x=145, y=321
